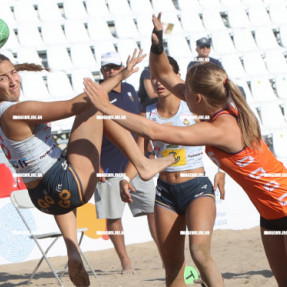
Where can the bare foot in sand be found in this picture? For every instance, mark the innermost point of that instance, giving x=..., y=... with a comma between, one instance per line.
x=78, y=273
x=127, y=267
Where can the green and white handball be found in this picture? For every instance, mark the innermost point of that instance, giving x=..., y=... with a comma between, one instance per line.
x=4, y=33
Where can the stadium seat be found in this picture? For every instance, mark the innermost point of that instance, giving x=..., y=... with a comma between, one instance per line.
x=212, y=20
x=125, y=27
x=189, y=5
x=283, y=35
x=76, y=32
x=237, y=17
x=59, y=86
x=178, y=47
x=98, y=9
x=222, y=42
x=49, y=11
x=163, y=6
x=171, y=24
x=12, y=42
x=7, y=15
x=210, y=4
x=29, y=36
x=258, y=15
x=126, y=48
x=196, y=25
x=281, y=86
x=75, y=10
x=145, y=27
x=254, y=64
x=83, y=57
x=99, y=30
x=272, y=117
x=77, y=78
x=279, y=143
x=265, y=38
x=262, y=90
x=278, y=12
x=243, y=84
x=29, y=55
x=34, y=87
x=233, y=66
x=244, y=41
x=58, y=58
x=276, y=62
x=53, y=34
x=231, y=3
x=25, y=12
x=119, y=8
x=141, y=7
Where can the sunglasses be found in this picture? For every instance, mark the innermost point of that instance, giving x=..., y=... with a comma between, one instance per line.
x=205, y=46
x=107, y=68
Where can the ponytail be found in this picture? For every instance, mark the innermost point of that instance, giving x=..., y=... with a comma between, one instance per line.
x=212, y=82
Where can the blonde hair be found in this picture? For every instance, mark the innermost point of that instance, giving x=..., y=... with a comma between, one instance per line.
x=212, y=82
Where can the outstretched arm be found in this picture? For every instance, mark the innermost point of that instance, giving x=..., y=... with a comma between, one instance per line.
x=159, y=64
x=203, y=133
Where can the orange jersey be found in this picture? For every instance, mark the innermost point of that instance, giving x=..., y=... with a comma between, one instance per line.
x=259, y=173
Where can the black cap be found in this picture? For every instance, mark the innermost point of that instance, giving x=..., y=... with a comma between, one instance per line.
x=202, y=42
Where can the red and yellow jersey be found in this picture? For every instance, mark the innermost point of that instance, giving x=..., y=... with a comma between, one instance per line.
x=259, y=173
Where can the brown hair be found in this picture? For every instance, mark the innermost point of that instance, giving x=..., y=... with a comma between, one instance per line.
x=212, y=82
x=24, y=66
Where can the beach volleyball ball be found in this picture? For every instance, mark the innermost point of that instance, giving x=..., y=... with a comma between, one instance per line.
x=4, y=33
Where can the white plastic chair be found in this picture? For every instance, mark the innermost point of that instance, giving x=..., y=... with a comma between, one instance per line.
x=12, y=42
x=276, y=62
x=279, y=143
x=29, y=36
x=76, y=32
x=59, y=86
x=141, y=7
x=231, y=3
x=171, y=18
x=49, y=11
x=99, y=30
x=261, y=90
x=34, y=87
x=244, y=41
x=191, y=5
x=237, y=17
x=178, y=47
x=254, y=64
x=22, y=203
x=75, y=9
x=163, y=6
x=144, y=24
x=272, y=117
x=7, y=15
x=233, y=66
x=126, y=28
x=211, y=4
x=119, y=7
x=222, y=42
x=278, y=12
x=98, y=9
x=126, y=48
x=25, y=12
x=196, y=25
x=29, y=55
x=258, y=14
x=212, y=20
x=82, y=57
x=283, y=35
x=77, y=78
x=281, y=86
x=53, y=34
x=58, y=58
x=265, y=38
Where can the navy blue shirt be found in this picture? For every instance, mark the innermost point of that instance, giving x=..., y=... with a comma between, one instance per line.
x=208, y=59
x=112, y=159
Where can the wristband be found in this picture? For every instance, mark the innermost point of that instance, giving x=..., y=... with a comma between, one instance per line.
x=157, y=48
x=125, y=177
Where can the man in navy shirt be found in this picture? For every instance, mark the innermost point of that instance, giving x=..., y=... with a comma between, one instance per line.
x=203, y=50
x=113, y=162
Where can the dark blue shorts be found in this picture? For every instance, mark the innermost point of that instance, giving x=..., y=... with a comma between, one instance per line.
x=177, y=196
x=60, y=190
